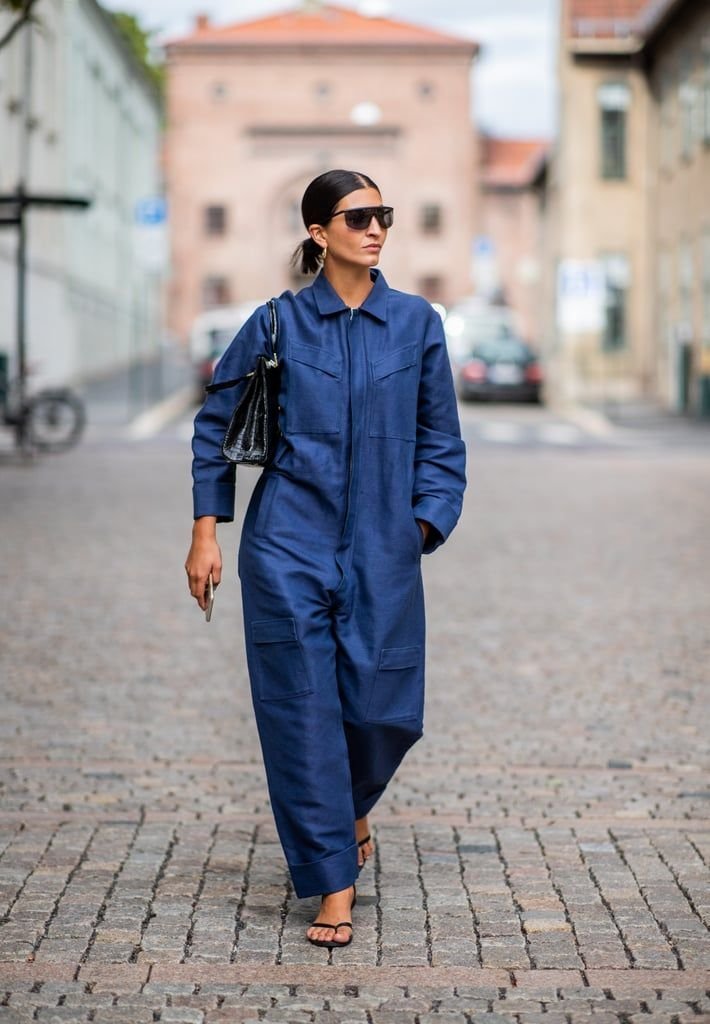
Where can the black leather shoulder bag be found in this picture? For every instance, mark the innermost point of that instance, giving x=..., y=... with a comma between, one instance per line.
x=254, y=427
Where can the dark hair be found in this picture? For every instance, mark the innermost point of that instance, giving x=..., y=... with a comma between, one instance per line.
x=319, y=200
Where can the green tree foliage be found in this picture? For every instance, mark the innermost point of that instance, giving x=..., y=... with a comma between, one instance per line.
x=139, y=39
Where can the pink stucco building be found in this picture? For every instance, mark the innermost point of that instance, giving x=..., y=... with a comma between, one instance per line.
x=256, y=109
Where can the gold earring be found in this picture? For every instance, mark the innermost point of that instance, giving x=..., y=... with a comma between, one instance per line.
x=324, y=253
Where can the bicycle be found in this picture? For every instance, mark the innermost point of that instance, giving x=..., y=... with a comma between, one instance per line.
x=51, y=420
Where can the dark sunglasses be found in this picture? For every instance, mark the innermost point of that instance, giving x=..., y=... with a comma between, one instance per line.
x=360, y=216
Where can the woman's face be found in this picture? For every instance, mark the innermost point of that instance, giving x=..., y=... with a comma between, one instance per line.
x=347, y=245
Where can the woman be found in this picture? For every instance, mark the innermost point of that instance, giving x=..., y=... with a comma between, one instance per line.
x=367, y=475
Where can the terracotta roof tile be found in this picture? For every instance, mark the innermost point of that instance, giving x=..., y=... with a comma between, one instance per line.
x=603, y=19
x=511, y=162
x=327, y=24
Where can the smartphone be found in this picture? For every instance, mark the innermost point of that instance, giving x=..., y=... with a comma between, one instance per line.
x=209, y=594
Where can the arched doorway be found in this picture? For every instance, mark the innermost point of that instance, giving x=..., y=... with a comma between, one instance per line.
x=287, y=229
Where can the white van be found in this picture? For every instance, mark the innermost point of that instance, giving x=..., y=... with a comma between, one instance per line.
x=211, y=333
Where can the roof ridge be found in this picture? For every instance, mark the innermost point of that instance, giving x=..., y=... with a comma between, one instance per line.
x=329, y=23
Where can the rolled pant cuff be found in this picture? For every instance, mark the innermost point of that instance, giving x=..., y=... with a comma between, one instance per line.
x=331, y=874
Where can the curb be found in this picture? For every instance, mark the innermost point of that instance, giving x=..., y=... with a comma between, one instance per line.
x=589, y=420
x=153, y=420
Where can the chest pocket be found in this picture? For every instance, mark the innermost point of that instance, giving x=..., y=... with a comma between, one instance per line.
x=394, y=394
x=313, y=390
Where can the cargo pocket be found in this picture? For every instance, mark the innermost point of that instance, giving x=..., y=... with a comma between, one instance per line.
x=314, y=381
x=280, y=668
x=398, y=689
x=395, y=392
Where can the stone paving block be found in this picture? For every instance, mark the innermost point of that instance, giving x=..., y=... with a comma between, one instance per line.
x=10, y=1015
x=181, y=1015
x=123, y=1015
x=234, y=1015
x=442, y=1017
x=61, y=1014
x=491, y=1017
x=391, y=1017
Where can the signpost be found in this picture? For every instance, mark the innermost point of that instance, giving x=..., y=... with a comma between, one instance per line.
x=13, y=208
x=150, y=238
x=581, y=295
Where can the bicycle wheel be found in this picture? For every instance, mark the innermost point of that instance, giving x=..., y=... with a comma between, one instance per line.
x=55, y=420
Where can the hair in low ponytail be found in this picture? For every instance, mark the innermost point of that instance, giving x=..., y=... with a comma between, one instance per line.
x=308, y=256
x=319, y=200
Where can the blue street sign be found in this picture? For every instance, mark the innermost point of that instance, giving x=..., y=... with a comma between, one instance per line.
x=483, y=245
x=153, y=210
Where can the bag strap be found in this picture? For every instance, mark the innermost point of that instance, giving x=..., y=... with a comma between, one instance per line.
x=274, y=325
x=273, y=337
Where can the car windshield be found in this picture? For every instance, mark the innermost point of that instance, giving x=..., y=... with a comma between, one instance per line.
x=501, y=349
x=466, y=329
x=220, y=339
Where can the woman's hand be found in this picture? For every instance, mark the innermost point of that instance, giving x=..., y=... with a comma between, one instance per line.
x=425, y=527
x=204, y=557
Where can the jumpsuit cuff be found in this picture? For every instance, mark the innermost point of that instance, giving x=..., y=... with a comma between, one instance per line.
x=331, y=874
x=440, y=515
x=214, y=499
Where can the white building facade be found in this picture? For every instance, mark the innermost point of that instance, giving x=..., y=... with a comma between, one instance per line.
x=78, y=116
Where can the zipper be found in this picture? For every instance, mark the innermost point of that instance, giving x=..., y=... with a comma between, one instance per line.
x=353, y=311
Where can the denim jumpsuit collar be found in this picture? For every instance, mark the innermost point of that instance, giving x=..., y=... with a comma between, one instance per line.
x=328, y=301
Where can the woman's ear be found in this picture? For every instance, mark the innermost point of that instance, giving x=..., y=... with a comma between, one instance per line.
x=318, y=235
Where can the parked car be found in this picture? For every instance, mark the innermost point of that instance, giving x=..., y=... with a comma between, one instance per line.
x=502, y=368
x=472, y=320
x=211, y=333
x=489, y=360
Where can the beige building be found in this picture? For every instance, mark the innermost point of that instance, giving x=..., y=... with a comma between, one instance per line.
x=677, y=51
x=257, y=109
x=628, y=201
x=509, y=261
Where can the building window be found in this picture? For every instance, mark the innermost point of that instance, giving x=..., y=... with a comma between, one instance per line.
x=686, y=284
x=322, y=90
x=667, y=121
x=215, y=220
x=215, y=292
x=663, y=302
x=431, y=287
x=616, y=282
x=613, y=99
x=706, y=288
x=426, y=90
x=219, y=91
x=430, y=218
x=706, y=92
x=686, y=104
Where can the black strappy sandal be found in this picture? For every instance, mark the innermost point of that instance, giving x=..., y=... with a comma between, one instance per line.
x=361, y=842
x=332, y=943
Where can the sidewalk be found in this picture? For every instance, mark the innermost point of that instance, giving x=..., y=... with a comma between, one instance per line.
x=644, y=421
x=543, y=852
x=132, y=394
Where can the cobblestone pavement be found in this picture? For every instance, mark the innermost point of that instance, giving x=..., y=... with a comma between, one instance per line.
x=543, y=851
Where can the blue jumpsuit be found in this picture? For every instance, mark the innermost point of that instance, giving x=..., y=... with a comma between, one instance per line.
x=329, y=558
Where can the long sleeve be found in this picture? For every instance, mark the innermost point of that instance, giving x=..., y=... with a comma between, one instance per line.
x=212, y=475
x=440, y=455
